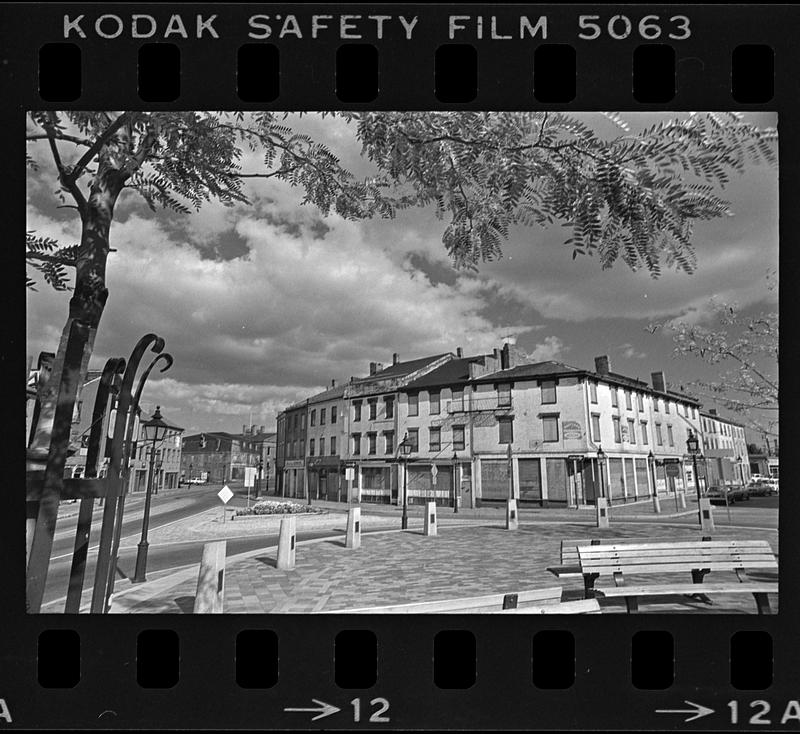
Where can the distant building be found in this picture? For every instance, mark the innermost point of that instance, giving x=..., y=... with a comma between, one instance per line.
x=725, y=449
x=167, y=462
x=217, y=456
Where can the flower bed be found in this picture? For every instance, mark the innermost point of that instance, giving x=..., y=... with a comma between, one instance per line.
x=278, y=508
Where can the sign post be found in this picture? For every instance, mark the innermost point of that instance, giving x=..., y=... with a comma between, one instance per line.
x=225, y=495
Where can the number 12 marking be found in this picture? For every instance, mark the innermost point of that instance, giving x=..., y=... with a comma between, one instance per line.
x=382, y=707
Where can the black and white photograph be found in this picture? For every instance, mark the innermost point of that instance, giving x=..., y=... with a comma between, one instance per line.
x=402, y=362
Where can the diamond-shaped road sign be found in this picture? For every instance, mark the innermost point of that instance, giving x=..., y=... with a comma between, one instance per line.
x=225, y=494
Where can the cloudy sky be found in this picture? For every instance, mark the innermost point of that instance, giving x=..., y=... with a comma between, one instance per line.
x=262, y=305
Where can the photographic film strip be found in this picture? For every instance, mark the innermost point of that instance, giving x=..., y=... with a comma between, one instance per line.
x=555, y=502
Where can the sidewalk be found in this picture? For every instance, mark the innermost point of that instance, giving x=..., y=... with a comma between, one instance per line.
x=393, y=566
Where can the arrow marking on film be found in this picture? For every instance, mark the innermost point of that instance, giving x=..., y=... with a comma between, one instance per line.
x=698, y=711
x=325, y=709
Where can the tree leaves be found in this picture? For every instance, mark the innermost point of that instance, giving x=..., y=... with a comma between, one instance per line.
x=45, y=255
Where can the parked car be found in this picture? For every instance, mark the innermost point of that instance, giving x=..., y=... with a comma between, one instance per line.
x=773, y=484
x=759, y=489
x=720, y=493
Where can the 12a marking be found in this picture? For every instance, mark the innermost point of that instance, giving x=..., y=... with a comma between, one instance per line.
x=381, y=707
x=760, y=710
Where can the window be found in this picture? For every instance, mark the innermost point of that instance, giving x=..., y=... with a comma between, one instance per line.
x=435, y=439
x=458, y=399
x=389, y=407
x=504, y=395
x=617, y=434
x=302, y=421
x=333, y=414
x=628, y=404
x=595, y=427
x=550, y=428
x=655, y=404
x=388, y=437
x=659, y=437
x=614, y=398
x=458, y=438
x=694, y=413
x=435, y=402
x=593, y=392
x=666, y=407
x=322, y=447
x=373, y=409
x=356, y=444
x=413, y=404
x=548, y=392
x=311, y=447
x=322, y=416
x=313, y=417
x=413, y=438
x=640, y=402
x=357, y=410
x=333, y=445
x=372, y=442
x=506, y=425
x=631, y=431
x=670, y=437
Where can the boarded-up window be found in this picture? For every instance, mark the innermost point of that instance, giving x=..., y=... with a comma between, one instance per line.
x=629, y=479
x=641, y=476
x=615, y=487
x=494, y=479
x=506, y=426
x=530, y=479
x=557, y=480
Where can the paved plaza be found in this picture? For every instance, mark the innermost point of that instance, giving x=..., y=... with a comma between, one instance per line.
x=469, y=557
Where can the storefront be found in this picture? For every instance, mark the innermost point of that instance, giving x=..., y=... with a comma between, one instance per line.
x=326, y=480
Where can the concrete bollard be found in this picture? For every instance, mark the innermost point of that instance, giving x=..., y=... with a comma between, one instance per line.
x=682, y=500
x=706, y=518
x=211, y=579
x=601, y=506
x=353, y=538
x=286, y=543
x=656, y=503
x=430, y=518
x=512, y=515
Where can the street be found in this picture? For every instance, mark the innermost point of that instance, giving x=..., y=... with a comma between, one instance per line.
x=168, y=507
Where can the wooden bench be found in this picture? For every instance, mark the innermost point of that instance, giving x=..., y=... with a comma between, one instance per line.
x=697, y=557
x=570, y=565
x=535, y=601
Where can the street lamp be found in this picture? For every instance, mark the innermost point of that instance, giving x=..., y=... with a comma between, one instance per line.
x=651, y=462
x=190, y=473
x=455, y=483
x=693, y=447
x=405, y=450
x=601, y=458
x=153, y=430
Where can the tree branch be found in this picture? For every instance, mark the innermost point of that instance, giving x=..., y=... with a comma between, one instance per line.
x=98, y=144
x=61, y=136
x=69, y=185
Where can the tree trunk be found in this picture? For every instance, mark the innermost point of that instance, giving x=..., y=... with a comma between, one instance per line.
x=86, y=306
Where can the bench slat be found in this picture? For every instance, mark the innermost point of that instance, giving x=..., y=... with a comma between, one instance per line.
x=569, y=547
x=607, y=570
x=565, y=571
x=581, y=606
x=693, y=558
x=689, y=545
x=683, y=589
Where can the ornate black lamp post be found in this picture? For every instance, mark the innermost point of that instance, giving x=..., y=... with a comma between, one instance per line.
x=693, y=447
x=153, y=430
x=601, y=460
x=455, y=482
x=651, y=462
x=405, y=450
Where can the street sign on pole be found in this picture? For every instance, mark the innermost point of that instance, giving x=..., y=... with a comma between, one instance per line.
x=225, y=495
x=434, y=473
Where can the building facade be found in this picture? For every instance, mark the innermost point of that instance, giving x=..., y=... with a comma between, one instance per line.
x=166, y=463
x=292, y=479
x=488, y=427
x=217, y=456
x=725, y=449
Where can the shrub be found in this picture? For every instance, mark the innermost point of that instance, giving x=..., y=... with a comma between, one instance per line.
x=278, y=508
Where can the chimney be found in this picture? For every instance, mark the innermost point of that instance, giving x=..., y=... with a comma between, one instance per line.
x=262, y=429
x=504, y=357
x=373, y=368
x=602, y=365
x=496, y=353
x=459, y=352
x=395, y=358
x=659, y=382
x=333, y=383
x=378, y=366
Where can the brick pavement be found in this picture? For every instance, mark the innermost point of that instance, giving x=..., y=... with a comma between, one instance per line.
x=399, y=567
